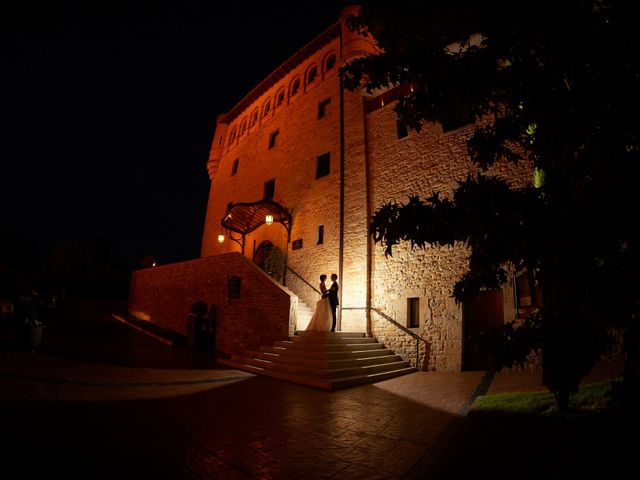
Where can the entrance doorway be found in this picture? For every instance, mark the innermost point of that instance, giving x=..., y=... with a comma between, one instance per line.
x=261, y=253
x=480, y=313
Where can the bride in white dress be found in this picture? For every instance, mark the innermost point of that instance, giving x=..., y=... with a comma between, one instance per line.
x=322, y=317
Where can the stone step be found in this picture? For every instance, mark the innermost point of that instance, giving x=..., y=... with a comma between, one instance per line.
x=324, y=383
x=330, y=347
x=325, y=362
x=375, y=377
x=330, y=373
x=332, y=340
x=330, y=334
x=322, y=354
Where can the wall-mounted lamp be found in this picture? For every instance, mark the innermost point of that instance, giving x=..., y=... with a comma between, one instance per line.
x=220, y=238
x=269, y=219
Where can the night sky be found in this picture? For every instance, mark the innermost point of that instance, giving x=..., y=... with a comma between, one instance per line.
x=108, y=111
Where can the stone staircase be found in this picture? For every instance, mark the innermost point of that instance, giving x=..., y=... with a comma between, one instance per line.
x=324, y=360
x=304, y=314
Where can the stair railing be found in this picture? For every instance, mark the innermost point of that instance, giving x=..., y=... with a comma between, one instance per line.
x=415, y=336
x=302, y=278
x=386, y=317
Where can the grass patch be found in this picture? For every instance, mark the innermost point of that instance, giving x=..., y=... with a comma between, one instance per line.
x=589, y=397
x=519, y=435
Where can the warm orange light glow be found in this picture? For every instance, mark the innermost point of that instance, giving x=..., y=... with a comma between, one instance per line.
x=220, y=238
x=269, y=219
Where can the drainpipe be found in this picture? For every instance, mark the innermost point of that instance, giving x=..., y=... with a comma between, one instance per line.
x=369, y=206
x=342, y=159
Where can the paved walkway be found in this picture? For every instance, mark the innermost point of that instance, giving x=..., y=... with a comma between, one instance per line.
x=261, y=427
x=219, y=423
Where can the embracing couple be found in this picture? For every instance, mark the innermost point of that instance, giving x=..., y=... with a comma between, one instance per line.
x=324, y=317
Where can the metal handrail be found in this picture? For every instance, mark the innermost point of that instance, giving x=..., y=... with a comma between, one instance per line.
x=417, y=337
x=301, y=278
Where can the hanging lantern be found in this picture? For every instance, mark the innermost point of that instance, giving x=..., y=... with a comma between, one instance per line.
x=269, y=219
x=220, y=238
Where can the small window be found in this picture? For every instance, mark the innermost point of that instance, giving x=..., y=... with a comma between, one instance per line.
x=323, y=165
x=273, y=138
x=330, y=62
x=413, y=312
x=234, y=168
x=401, y=129
x=269, y=189
x=280, y=98
x=232, y=137
x=243, y=127
x=322, y=107
x=295, y=86
x=254, y=118
x=311, y=76
x=320, y=235
x=267, y=108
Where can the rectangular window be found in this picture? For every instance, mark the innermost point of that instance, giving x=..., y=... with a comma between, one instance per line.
x=269, y=189
x=323, y=165
x=322, y=107
x=402, y=129
x=320, y=235
x=272, y=138
x=234, y=168
x=413, y=312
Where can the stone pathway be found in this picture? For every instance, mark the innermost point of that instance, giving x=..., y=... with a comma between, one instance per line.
x=259, y=427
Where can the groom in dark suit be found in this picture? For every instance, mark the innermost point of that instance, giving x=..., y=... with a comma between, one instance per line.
x=333, y=299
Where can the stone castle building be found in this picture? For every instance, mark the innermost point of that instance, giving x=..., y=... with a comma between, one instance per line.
x=320, y=160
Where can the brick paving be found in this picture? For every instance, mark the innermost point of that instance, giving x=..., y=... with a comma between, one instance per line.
x=120, y=417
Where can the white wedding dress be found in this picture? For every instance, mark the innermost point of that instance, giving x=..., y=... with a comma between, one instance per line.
x=322, y=316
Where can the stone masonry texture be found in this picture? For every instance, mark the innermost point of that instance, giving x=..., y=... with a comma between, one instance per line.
x=378, y=168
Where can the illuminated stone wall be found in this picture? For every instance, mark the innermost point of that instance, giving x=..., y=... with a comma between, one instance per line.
x=431, y=161
x=302, y=138
x=395, y=168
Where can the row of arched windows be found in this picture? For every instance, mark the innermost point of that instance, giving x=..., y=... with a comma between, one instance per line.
x=310, y=76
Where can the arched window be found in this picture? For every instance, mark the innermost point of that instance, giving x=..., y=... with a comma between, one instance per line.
x=312, y=73
x=243, y=127
x=267, y=108
x=280, y=97
x=232, y=137
x=329, y=62
x=254, y=118
x=295, y=86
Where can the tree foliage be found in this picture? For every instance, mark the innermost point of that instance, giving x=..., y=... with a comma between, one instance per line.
x=555, y=84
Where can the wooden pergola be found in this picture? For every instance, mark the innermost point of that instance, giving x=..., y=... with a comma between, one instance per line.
x=243, y=218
